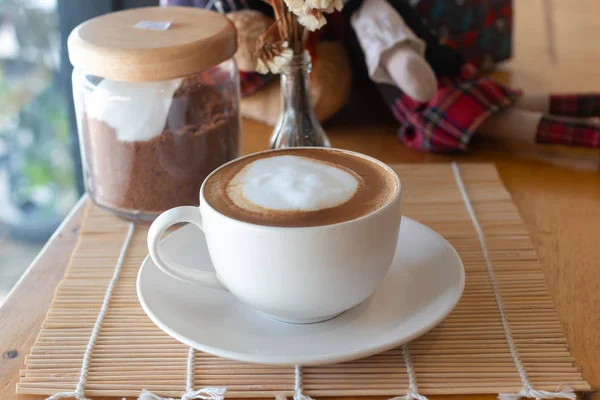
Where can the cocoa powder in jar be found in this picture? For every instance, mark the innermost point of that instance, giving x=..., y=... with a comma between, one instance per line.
x=201, y=133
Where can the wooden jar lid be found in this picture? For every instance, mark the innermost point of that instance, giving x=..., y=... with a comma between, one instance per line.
x=110, y=46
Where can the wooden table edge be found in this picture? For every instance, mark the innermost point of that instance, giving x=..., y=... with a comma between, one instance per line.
x=22, y=314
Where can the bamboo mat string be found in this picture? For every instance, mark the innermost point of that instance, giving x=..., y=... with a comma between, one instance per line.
x=413, y=391
x=527, y=390
x=298, y=393
x=207, y=393
x=79, y=391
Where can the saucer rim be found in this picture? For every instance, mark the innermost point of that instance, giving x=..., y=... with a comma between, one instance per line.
x=309, y=360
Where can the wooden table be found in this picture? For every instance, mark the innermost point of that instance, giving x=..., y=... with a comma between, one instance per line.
x=559, y=203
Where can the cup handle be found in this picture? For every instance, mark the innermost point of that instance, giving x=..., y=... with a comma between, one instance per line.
x=170, y=267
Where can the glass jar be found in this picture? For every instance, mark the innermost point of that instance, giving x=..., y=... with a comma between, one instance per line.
x=150, y=135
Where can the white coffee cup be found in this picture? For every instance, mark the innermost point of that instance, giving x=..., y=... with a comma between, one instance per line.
x=294, y=274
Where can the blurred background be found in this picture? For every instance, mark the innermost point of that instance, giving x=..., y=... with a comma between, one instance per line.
x=39, y=154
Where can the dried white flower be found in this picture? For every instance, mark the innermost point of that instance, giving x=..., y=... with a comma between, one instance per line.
x=261, y=67
x=331, y=6
x=312, y=19
x=295, y=6
x=325, y=5
x=303, y=7
x=318, y=4
x=273, y=57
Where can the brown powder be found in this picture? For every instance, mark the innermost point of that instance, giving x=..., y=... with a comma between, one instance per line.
x=201, y=133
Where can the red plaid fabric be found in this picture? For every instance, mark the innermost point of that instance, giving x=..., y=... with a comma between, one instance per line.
x=447, y=122
x=251, y=82
x=575, y=105
x=568, y=132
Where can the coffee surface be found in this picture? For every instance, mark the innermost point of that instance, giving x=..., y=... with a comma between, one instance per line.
x=300, y=187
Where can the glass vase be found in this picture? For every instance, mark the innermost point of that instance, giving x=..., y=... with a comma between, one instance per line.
x=297, y=125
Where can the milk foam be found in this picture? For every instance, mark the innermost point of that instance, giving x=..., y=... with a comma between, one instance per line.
x=137, y=111
x=291, y=183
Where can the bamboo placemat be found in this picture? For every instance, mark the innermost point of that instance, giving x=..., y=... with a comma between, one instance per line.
x=469, y=352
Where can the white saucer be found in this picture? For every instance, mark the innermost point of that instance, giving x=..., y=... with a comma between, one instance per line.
x=424, y=284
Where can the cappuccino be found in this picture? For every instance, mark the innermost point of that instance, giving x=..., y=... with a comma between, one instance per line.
x=300, y=187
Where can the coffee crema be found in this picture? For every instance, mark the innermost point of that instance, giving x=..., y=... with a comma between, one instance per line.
x=300, y=187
